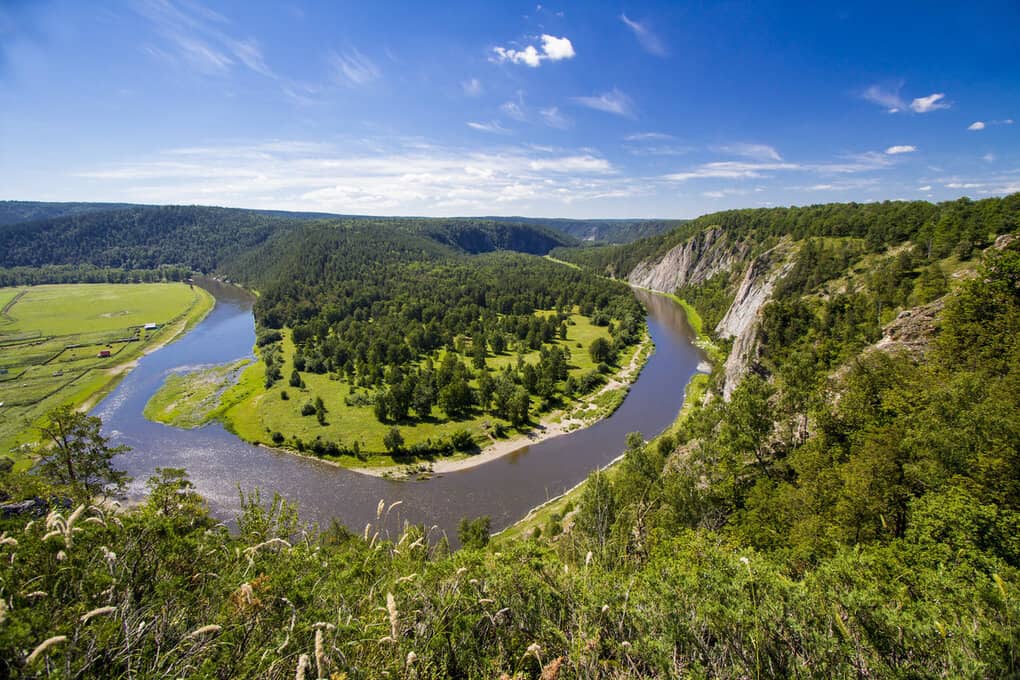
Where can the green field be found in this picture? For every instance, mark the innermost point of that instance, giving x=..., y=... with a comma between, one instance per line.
x=51, y=338
x=255, y=413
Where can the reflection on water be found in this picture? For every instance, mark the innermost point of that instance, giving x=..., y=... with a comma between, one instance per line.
x=505, y=489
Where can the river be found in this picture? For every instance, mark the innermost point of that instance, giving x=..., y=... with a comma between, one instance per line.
x=219, y=464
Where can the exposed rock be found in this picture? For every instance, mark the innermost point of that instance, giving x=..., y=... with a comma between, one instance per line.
x=37, y=507
x=913, y=329
x=741, y=320
x=692, y=262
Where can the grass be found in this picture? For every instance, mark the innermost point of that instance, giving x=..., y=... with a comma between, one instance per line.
x=51, y=337
x=256, y=413
x=189, y=400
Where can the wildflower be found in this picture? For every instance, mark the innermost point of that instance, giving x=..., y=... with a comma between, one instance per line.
x=101, y=611
x=46, y=644
x=320, y=657
x=391, y=607
x=302, y=664
x=204, y=630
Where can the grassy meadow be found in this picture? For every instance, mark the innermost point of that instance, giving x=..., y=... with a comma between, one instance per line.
x=255, y=413
x=51, y=338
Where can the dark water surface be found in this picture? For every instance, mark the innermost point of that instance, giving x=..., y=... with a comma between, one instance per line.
x=505, y=489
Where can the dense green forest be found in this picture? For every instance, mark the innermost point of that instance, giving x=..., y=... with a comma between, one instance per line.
x=939, y=230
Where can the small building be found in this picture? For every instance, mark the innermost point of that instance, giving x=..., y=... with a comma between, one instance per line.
x=104, y=353
x=151, y=326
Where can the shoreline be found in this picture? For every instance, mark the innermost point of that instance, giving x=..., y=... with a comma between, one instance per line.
x=546, y=429
x=120, y=371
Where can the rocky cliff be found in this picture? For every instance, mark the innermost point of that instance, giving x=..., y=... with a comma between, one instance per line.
x=692, y=262
x=701, y=257
x=741, y=319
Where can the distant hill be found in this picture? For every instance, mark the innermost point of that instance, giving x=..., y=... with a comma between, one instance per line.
x=600, y=231
x=13, y=212
x=205, y=239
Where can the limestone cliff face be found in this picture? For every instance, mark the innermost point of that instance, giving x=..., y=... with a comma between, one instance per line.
x=741, y=320
x=694, y=261
x=701, y=257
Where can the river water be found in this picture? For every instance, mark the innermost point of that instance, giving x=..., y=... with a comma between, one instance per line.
x=219, y=464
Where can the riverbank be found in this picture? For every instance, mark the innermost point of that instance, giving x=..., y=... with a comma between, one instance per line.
x=589, y=411
x=556, y=514
x=74, y=343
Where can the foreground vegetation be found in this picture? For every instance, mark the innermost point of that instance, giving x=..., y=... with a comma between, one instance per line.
x=52, y=338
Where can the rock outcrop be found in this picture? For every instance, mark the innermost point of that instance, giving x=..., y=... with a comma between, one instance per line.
x=741, y=319
x=694, y=261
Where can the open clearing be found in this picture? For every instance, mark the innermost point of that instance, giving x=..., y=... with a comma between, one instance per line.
x=65, y=344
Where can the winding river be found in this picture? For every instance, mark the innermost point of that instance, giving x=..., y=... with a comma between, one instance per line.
x=505, y=489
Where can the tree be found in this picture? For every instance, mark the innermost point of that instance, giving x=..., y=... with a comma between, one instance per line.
x=76, y=454
x=320, y=410
x=600, y=349
x=393, y=441
x=597, y=511
x=474, y=533
x=171, y=494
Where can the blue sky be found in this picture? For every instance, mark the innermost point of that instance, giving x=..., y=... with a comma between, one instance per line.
x=588, y=109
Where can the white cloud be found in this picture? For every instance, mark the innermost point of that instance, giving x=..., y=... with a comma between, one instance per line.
x=888, y=99
x=926, y=187
x=353, y=68
x=649, y=41
x=513, y=110
x=553, y=49
x=647, y=136
x=197, y=37
x=472, y=87
x=557, y=49
x=932, y=102
x=976, y=125
x=989, y=158
x=729, y=170
x=762, y=152
x=582, y=164
x=900, y=148
x=492, y=126
x=615, y=102
x=529, y=55
x=553, y=118
x=373, y=177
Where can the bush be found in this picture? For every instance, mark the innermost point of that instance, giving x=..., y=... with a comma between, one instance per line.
x=462, y=440
x=308, y=409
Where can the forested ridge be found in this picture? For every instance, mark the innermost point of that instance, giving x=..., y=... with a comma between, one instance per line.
x=852, y=510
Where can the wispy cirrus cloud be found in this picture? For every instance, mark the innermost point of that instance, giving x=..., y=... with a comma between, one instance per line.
x=554, y=118
x=401, y=177
x=353, y=68
x=981, y=125
x=472, y=87
x=900, y=148
x=614, y=101
x=552, y=49
x=648, y=39
x=196, y=37
x=493, y=126
x=932, y=102
x=886, y=97
x=647, y=137
x=762, y=152
x=889, y=98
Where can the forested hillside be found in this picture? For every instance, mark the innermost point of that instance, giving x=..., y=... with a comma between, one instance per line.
x=881, y=545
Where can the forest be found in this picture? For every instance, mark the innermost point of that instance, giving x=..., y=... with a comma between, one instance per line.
x=852, y=510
